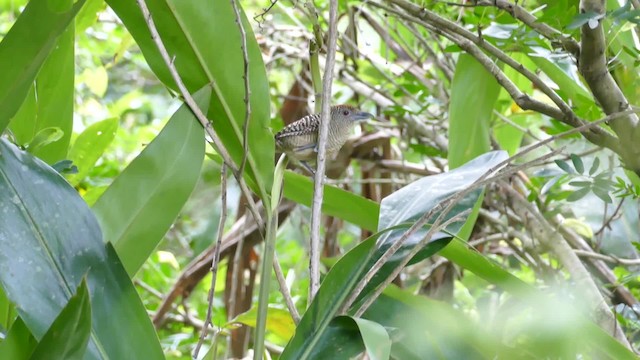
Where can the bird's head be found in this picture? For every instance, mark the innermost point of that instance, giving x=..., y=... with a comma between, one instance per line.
x=349, y=113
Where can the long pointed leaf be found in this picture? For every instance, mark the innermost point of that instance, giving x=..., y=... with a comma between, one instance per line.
x=50, y=240
x=206, y=43
x=24, y=50
x=142, y=203
x=68, y=336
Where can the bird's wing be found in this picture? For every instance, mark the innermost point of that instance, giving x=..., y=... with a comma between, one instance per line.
x=307, y=125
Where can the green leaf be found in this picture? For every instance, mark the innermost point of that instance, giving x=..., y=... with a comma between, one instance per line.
x=563, y=72
x=89, y=146
x=564, y=166
x=50, y=240
x=580, y=183
x=205, y=40
x=44, y=137
x=25, y=48
x=68, y=336
x=337, y=202
x=142, y=203
x=279, y=321
x=19, y=343
x=578, y=194
x=375, y=338
x=603, y=194
x=473, y=88
x=594, y=166
x=582, y=19
x=60, y=6
x=577, y=163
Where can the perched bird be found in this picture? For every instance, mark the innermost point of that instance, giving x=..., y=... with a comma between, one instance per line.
x=299, y=140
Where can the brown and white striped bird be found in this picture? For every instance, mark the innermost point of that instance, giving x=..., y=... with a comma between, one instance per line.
x=299, y=140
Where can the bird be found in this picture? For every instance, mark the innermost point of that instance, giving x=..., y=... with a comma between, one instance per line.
x=299, y=140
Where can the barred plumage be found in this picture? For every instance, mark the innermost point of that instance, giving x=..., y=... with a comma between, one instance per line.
x=299, y=139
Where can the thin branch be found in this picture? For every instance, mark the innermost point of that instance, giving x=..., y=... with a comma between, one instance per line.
x=553, y=34
x=284, y=290
x=216, y=259
x=550, y=237
x=215, y=142
x=398, y=269
x=247, y=88
x=323, y=132
x=474, y=44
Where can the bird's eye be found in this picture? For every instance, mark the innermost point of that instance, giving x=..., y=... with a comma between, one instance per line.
x=345, y=112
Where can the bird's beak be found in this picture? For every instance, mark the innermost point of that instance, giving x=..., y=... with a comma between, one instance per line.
x=362, y=116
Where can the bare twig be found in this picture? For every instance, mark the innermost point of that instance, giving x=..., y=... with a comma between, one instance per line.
x=314, y=261
x=247, y=88
x=548, y=236
x=216, y=259
x=284, y=290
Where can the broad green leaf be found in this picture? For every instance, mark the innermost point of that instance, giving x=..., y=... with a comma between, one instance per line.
x=337, y=202
x=25, y=48
x=19, y=343
x=50, y=240
x=68, y=336
x=89, y=146
x=205, y=40
x=474, y=92
x=142, y=203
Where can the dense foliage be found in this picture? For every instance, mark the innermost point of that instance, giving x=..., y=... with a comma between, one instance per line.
x=489, y=211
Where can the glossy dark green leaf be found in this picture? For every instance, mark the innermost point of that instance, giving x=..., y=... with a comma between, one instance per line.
x=19, y=343
x=89, y=146
x=206, y=43
x=50, y=240
x=142, y=203
x=25, y=48
x=409, y=203
x=68, y=336
x=337, y=202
